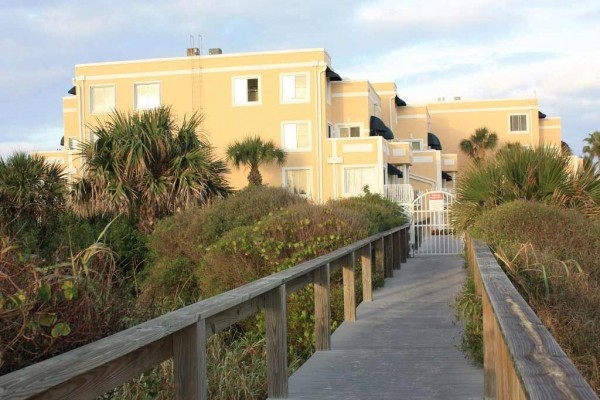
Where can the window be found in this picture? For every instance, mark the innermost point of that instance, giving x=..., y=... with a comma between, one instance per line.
x=246, y=91
x=349, y=131
x=298, y=181
x=296, y=136
x=416, y=145
x=147, y=95
x=294, y=88
x=72, y=144
x=102, y=99
x=356, y=178
x=518, y=123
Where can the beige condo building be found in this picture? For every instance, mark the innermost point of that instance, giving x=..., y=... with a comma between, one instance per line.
x=339, y=135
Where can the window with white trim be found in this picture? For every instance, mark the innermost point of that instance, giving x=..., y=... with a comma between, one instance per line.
x=246, y=90
x=518, y=123
x=298, y=181
x=71, y=143
x=102, y=98
x=356, y=178
x=296, y=136
x=294, y=88
x=146, y=95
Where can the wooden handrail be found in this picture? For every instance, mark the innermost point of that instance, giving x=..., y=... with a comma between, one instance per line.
x=93, y=369
x=522, y=360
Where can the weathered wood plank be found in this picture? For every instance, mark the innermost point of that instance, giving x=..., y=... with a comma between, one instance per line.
x=225, y=319
x=405, y=245
x=322, y=294
x=526, y=355
x=94, y=382
x=349, y=290
x=379, y=256
x=298, y=283
x=388, y=256
x=397, y=250
x=189, y=362
x=367, y=272
x=276, y=326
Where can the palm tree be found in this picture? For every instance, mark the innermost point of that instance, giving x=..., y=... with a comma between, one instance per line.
x=479, y=143
x=252, y=152
x=592, y=149
x=565, y=148
x=145, y=166
x=31, y=189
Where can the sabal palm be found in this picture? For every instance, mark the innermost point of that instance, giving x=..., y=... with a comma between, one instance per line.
x=30, y=188
x=146, y=166
x=479, y=143
x=517, y=173
x=592, y=149
x=253, y=152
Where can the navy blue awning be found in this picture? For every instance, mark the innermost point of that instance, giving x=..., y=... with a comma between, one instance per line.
x=378, y=128
x=433, y=141
x=332, y=76
x=73, y=90
x=541, y=115
x=446, y=176
x=399, y=102
x=392, y=170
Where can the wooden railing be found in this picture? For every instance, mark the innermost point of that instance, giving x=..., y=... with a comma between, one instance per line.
x=93, y=369
x=521, y=358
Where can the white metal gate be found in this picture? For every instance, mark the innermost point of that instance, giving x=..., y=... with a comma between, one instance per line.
x=431, y=231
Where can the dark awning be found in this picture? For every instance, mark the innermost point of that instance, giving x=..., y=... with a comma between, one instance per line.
x=378, y=128
x=394, y=171
x=400, y=102
x=433, y=142
x=329, y=73
x=62, y=141
x=73, y=90
x=446, y=176
x=541, y=115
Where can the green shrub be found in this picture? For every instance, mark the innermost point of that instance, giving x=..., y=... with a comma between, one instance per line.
x=179, y=242
x=551, y=254
x=382, y=214
x=470, y=311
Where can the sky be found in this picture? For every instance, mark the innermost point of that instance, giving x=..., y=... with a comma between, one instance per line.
x=476, y=49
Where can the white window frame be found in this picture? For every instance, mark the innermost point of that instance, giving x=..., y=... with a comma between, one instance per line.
x=328, y=89
x=359, y=125
x=91, y=98
x=373, y=187
x=281, y=88
x=310, y=179
x=526, y=123
x=296, y=150
x=246, y=103
x=135, y=99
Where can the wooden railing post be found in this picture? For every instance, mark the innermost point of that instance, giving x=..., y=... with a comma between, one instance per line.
x=379, y=256
x=349, y=291
x=367, y=273
x=276, y=326
x=322, y=308
x=489, y=350
x=404, y=240
x=189, y=362
x=397, y=250
x=388, y=256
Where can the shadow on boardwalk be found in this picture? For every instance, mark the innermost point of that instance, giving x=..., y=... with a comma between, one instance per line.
x=402, y=346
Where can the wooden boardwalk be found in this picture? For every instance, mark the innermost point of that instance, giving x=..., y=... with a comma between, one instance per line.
x=402, y=346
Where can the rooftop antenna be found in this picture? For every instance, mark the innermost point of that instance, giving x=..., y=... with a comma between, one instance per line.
x=200, y=43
